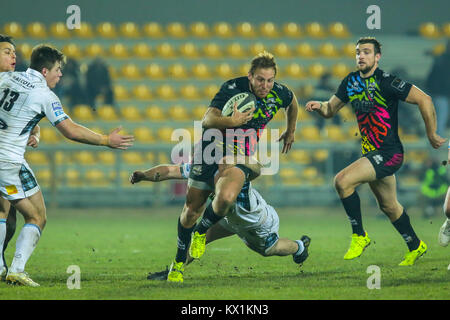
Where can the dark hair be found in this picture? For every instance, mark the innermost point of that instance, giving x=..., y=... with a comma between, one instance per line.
x=4, y=38
x=45, y=56
x=372, y=40
x=263, y=60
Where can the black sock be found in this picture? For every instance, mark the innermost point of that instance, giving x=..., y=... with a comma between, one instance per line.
x=209, y=218
x=352, y=206
x=184, y=240
x=403, y=226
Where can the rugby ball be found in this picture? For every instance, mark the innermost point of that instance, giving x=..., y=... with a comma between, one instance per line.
x=245, y=101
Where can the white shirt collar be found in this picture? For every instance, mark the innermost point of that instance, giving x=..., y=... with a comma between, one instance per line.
x=35, y=73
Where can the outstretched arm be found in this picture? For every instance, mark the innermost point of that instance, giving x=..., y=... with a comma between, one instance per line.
x=426, y=107
x=159, y=173
x=77, y=132
x=326, y=109
x=288, y=136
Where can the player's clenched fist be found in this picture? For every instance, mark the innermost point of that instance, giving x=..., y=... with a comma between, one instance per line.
x=312, y=106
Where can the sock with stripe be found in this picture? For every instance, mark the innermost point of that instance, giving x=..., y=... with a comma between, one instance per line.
x=209, y=218
x=2, y=240
x=183, y=242
x=352, y=206
x=404, y=227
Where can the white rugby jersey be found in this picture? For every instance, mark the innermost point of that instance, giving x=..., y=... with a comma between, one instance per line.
x=25, y=99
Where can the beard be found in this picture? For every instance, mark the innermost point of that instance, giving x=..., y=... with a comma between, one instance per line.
x=365, y=69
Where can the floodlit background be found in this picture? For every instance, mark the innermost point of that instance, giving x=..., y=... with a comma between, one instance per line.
x=153, y=66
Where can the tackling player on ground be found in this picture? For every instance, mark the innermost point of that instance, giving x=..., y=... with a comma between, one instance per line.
x=256, y=224
x=374, y=96
x=27, y=99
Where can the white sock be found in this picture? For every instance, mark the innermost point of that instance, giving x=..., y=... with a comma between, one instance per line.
x=301, y=247
x=2, y=238
x=26, y=242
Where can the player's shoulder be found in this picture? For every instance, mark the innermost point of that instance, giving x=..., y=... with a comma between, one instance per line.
x=236, y=85
x=281, y=88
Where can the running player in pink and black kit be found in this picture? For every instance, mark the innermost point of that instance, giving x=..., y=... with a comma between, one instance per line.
x=374, y=95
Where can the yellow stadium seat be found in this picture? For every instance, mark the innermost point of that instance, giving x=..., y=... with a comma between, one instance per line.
x=130, y=113
x=210, y=91
x=292, y=30
x=155, y=113
x=236, y=50
x=83, y=113
x=176, y=30
x=303, y=114
x=294, y=70
x=309, y=134
x=142, y=50
x=328, y=50
x=429, y=30
x=133, y=157
x=106, y=30
x=246, y=30
x=438, y=49
x=130, y=71
x=118, y=50
x=189, y=50
x=49, y=135
x=177, y=71
x=106, y=157
x=153, y=30
x=44, y=177
x=96, y=178
x=224, y=70
x=94, y=50
x=305, y=50
x=59, y=30
x=282, y=50
x=143, y=135
x=201, y=71
x=321, y=155
x=269, y=30
x=165, y=134
x=212, y=50
x=36, y=30
x=72, y=177
x=199, y=30
x=111, y=69
x=154, y=71
x=338, y=30
x=349, y=50
x=316, y=70
x=306, y=91
x=256, y=48
x=309, y=173
x=300, y=156
x=130, y=30
x=165, y=50
x=346, y=113
x=334, y=133
x=223, y=30
x=289, y=176
x=120, y=92
x=244, y=69
x=85, y=31
x=315, y=30
x=189, y=92
x=446, y=29
x=107, y=113
x=36, y=157
x=178, y=112
x=166, y=92
x=13, y=29
x=84, y=157
x=142, y=92
x=198, y=112
x=25, y=49
x=72, y=50
x=340, y=70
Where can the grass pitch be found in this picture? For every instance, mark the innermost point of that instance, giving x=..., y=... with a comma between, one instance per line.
x=115, y=249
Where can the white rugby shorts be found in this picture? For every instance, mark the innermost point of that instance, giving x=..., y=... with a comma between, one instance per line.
x=17, y=181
